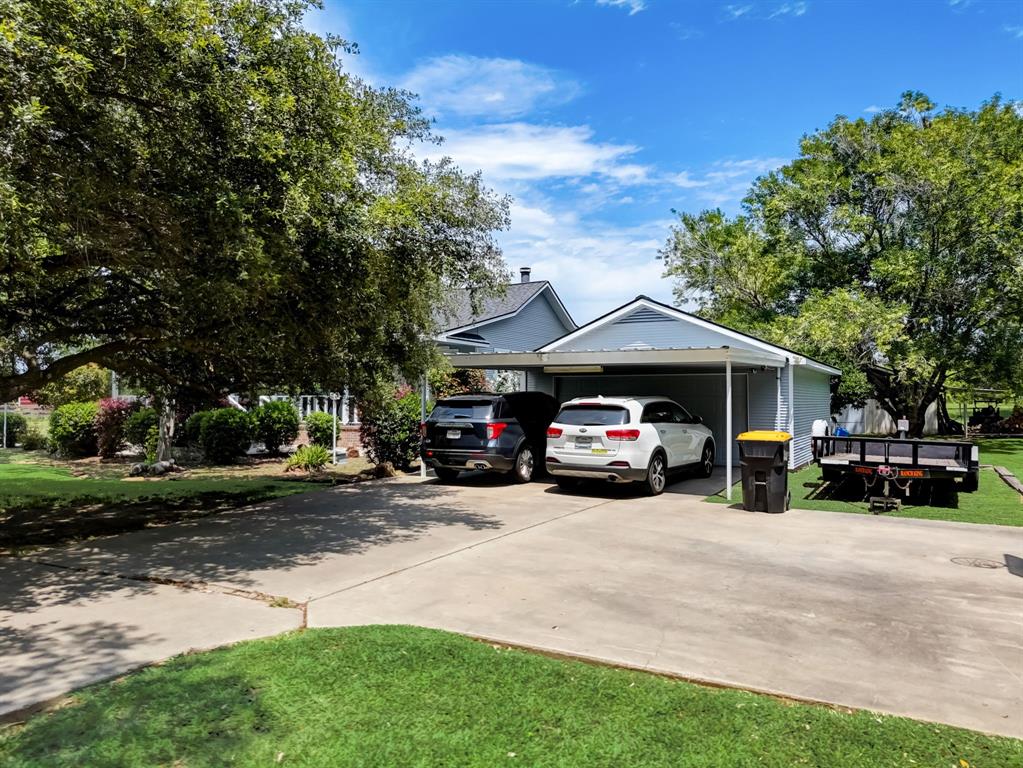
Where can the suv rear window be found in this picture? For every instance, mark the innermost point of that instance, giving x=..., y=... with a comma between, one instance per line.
x=593, y=415
x=473, y=410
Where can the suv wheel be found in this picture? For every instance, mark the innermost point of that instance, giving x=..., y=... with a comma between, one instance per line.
x=706, y=468
x=656, y=475
x=445, y=475
x=523, y=471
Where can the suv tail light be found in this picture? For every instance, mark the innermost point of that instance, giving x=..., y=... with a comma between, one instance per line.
x=554, y=431
x=495, y=428
x=623, y=434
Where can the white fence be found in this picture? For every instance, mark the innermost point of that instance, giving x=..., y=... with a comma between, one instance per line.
x=347, y=410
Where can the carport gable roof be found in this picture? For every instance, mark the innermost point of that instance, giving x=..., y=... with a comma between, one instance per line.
x=632, y=319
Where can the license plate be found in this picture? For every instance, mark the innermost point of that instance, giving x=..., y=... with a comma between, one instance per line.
x=583, y=442
x=600, y=451
x=454, y=434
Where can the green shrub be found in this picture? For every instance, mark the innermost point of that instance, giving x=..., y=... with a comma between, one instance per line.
x=73, y=429
x=226, y=434
x=152, y=443
x=137, y=426
x=311, y=458
x=34, y=440
x=320, y=428
x=276, y=425
x=390, y=429
x=111, y=419
x=16, y=426
x=89, y=382
x=191, y=432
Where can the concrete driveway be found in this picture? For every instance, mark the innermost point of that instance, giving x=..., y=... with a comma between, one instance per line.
x=871, y=612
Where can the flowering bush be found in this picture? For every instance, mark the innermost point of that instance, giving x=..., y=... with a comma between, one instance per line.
x=111, y=419
x=390, y=428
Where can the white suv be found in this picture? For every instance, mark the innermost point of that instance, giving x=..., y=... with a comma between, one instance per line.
x=626, y=439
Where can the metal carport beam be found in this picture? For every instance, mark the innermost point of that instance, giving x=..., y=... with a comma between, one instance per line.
x=609, y=357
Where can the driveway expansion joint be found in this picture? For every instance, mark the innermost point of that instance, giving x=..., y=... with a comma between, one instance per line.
x=276, y=601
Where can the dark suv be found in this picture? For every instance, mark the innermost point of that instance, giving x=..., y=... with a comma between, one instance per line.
x=502, y=433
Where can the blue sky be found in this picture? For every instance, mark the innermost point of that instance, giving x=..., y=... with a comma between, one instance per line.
x=601, y=116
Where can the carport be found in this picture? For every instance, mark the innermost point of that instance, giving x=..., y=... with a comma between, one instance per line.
x=734, y=381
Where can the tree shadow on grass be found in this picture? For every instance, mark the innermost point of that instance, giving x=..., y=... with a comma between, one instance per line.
x=203, y=715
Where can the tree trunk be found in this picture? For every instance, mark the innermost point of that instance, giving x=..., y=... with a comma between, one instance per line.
x=163, y=445
x=906, y=401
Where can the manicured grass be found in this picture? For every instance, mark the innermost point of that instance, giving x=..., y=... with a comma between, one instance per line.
x=403, y=696
x=44, y=503
x=1005, y=452
x=994, y=503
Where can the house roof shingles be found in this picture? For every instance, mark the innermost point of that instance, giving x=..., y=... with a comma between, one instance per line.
x=458, y=313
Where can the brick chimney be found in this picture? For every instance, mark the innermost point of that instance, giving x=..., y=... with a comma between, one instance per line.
x=524, y=274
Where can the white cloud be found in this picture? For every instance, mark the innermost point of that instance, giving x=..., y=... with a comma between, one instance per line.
x=595, y=265
x=685, y=181
x=1015, y=30
x=872, y=109
x=735, y=11
x=528, y=152
x=634, y=6
x=789, y=9
x=726, y=182
x=471, y=86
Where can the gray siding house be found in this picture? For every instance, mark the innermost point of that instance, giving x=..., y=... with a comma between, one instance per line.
x=735, y=381
x=528, y=315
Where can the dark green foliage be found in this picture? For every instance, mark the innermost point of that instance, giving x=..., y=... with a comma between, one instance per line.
x=889, y=247
x=16, y=426
x=111, y=420
x=390, y=429
x=175, y=172
x=191, y=432
x=34, y=440
x=309, y=458
x=73, y=429
x=89, y=382
x=138, y=424
x=276, y=425
x=226, y=434
x=406, y=696
x=320, y=428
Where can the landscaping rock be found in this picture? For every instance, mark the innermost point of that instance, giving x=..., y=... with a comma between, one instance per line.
x=137, y=470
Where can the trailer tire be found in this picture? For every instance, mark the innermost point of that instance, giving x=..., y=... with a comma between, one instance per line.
x=970, y=483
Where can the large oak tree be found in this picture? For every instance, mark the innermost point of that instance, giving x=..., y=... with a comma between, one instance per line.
x=891, y=247
x=196, y=194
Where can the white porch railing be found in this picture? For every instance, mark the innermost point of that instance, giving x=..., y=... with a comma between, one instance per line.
x=347, y=410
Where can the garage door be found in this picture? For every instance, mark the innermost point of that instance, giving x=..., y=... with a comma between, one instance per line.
x=701, y=393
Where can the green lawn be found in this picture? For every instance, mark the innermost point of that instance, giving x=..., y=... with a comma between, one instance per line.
x=403, y=696
x=42, y=503
x=993, y=503
x=1006, y=453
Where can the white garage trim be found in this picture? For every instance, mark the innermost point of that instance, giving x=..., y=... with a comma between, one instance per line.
x=688, y=356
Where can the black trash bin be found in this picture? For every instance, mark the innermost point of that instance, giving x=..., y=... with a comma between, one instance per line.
x=764, y=463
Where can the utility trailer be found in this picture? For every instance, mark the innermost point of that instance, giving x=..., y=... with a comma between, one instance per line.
x=897, y=464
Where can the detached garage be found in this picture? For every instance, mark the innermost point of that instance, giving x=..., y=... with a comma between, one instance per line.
x=735, y=381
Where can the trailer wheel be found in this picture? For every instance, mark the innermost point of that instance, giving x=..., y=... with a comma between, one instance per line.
x=970, y=483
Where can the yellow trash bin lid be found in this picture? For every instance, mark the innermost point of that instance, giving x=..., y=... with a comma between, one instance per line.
x=765, y=436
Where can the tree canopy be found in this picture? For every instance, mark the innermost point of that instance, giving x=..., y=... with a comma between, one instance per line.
x=891, y=248
x=196, y=194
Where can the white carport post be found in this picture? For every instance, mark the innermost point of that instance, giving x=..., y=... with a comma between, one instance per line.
x=728, y=426
x=423, y=396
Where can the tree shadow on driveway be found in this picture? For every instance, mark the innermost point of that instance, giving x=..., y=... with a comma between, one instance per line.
x=282, y=535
